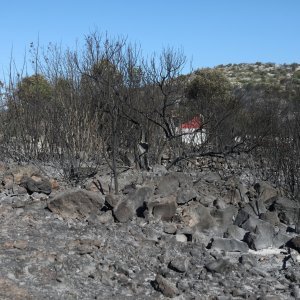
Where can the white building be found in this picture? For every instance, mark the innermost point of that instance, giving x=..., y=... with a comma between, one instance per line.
x=192, y=131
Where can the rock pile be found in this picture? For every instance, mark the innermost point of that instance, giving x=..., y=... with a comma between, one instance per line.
x=196, y=235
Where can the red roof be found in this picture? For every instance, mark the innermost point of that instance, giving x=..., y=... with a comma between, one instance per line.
x=195, y=123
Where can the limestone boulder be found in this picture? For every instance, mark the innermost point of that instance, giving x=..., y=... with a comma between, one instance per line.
x=198, y=217
x=265, y=190
x=235, y=232
x=140, y=196
x=262, y=237
x=19, y=172
x=186, y=195
x=170, y=183
x=228, y=245
x=76, y=204
x=36, y=185
x=219, y=265
x=124, y=211
x=133, y=204
x=280, y=239
x=288, y=211
x=271, y=217
x=224, y=217
x=255, y=208
x=162, y=208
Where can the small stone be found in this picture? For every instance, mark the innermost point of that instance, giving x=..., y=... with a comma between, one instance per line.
x=220, y=265
x=167, y=288
x=170, y=228
x=179, y=264
x=181, y=238
x=21, y=244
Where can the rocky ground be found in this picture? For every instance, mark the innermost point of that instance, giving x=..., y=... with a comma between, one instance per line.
x=194, y=235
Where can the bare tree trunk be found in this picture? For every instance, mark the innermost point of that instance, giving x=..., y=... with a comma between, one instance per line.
x=114, y=154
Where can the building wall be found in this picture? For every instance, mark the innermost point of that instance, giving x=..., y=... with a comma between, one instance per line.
x=190, y=137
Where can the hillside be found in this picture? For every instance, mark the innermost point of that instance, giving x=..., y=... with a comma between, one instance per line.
x=261, y=73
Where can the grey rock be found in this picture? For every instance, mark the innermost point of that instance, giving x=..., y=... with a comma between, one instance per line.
x=167, y=288
x=241, y=217
x=186, y=195
x=211, y=177
x=271, y=217
x=280, y=239
x=259, y=271
x=17, y=189
x=293, y=276
x=140, y=196
x=159, y=170
x=180, y=237
x=219, y=203
x=170, y=183
x=296, y=292
x=248, y=260
x=198, y=216
x=207, y=198
x=151, y=233
x=252, y=223
x=261, y=238
x=288, y=210
x=12, y=290
x=294, y=243
x=43, y=185
x=76, y=204
x=255, y=208
x=111, y=200
x=225, y=217
x=167, y=186
x=265, y=233
x=220, y=265
x=229, y=245
x=162, y=208
x=124, y=211
x=170, y=228
x=239, y=293
x=96, y=218
x=250, y=239
x=270, y=297
x=243, y=190
x=129, y=189
x=235, y=232
x=265, y=191
x=179, y=264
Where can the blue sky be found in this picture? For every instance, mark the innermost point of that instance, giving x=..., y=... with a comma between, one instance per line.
x=210, y=32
